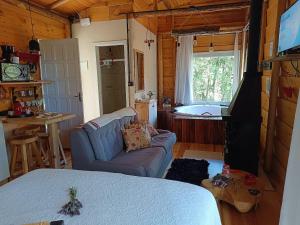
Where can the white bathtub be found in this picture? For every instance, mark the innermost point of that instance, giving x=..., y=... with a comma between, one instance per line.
x=199, y=110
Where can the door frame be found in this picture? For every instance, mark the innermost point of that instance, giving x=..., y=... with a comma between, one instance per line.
x=104, y=44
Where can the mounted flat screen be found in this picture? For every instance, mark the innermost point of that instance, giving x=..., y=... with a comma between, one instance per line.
x=289, y=33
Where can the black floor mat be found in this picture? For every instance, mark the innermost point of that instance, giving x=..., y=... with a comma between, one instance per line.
x=188, y=170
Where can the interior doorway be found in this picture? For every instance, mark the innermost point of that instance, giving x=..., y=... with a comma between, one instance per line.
x=112, y=76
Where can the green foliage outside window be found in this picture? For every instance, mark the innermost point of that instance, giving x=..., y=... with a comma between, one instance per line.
x=212, y=78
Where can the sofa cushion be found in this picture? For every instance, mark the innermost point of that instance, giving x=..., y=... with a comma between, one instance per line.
x=107, y=141
x=149, y=158
x=136, y=138
x=165, y=139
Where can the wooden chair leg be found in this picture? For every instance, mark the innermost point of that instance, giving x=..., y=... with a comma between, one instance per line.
x=24, y=158
x=37, y=154
x=30, y=157
x=62, y=152
x=44, y=154
x=13, y=159
x=50, y=157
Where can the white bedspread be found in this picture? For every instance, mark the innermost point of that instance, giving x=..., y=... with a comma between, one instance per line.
x=107, y=198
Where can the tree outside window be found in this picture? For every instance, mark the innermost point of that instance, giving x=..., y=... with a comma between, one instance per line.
x=213, y=78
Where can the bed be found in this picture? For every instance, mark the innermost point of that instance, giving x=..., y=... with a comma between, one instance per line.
x=107, y=198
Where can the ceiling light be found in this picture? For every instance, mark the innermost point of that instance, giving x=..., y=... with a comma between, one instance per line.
x=195, y=40
x=34, y=45
x=211, y=47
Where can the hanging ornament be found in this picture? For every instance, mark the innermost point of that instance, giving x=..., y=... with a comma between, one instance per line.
x=177, y=42
x=195, y=40
x=211, y=46
x=34, y=45
x=148, y=41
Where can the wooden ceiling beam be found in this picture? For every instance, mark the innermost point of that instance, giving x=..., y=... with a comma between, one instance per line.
x=39, y=9
x=167, y=4
x=209, y=30
x=57, y=3
x=191, y=10
x=194, y=31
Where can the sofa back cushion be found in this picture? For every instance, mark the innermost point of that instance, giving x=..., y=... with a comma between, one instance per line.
x=126, y=120
x=107, y=141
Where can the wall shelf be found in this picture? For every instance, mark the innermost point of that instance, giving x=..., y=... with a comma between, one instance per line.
x=30, y=83
x=291, y=57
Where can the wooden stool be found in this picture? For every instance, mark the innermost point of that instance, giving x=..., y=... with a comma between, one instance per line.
x=44, y=139
x=24, y=144
x=27, y=130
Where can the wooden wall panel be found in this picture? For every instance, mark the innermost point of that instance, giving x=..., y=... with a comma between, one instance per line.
x=15, y=29
x=15, y=26
x=223, y=42
x=286, y=101
x=167, y=66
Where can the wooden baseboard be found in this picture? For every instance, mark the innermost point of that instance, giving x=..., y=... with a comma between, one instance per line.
x=3, y=182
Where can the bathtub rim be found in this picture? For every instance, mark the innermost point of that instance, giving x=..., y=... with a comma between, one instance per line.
x=180, y=115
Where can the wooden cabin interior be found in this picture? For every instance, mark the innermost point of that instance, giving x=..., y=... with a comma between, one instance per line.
x=192, y=105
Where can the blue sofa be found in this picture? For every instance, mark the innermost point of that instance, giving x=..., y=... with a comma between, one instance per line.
x=102, y=149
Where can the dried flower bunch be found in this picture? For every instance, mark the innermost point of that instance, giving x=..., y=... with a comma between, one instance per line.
x=73, y=206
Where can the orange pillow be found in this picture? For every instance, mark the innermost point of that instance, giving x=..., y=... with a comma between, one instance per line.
x=136, y=138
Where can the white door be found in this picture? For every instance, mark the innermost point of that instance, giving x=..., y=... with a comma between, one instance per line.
x=60, y=63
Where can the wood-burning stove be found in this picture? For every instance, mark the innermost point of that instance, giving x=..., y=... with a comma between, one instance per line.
x=243, y=117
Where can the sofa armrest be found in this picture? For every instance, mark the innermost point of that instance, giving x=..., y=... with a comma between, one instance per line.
x=161, y=131
x=108, y=166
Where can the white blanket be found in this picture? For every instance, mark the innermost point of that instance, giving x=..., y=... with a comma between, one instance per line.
x=107, y=198
x=107, y=118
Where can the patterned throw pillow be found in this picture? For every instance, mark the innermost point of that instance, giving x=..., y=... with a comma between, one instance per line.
x=151, y=129
x=136, y=138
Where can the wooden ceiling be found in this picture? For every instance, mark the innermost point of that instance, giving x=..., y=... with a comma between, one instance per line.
x=99, y=10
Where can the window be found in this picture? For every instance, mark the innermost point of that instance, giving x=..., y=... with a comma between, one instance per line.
x=213, y=77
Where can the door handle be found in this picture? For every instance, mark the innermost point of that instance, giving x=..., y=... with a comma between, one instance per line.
x=78, y=96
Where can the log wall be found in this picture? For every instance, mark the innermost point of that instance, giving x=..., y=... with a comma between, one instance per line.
x=15, y=29
x=286, y=99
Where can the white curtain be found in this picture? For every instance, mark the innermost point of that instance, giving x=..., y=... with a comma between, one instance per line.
x=236, y=64
x=291, y=199
x=184, y=71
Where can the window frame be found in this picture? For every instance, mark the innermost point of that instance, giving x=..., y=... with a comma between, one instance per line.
x=214, y=54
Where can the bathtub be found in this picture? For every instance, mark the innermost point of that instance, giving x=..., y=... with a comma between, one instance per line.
x=199, y=111
x=201, y=124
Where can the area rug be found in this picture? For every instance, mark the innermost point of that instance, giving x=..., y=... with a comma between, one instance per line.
x=216, y=162
x=188, y=170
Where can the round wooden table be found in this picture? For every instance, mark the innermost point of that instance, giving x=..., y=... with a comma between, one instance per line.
x=237, y=192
